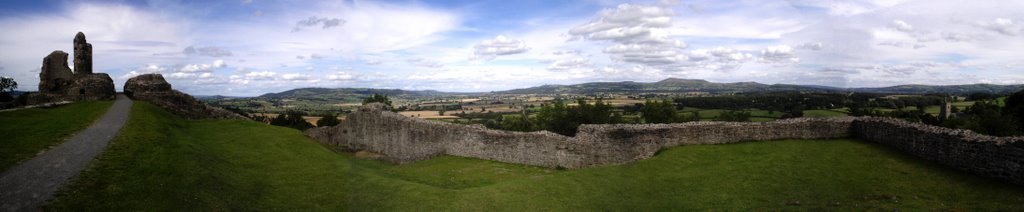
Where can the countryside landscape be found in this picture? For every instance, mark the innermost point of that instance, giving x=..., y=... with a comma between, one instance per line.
x=257, y=105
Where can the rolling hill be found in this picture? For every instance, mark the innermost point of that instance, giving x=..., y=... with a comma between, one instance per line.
x=666, y=85
x=670, y=85
x=698, y=85
x=349, y=93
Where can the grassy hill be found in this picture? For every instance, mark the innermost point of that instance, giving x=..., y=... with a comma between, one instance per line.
x=698, y=85
x=349, y=93
x=26, y=132
x=161, y=162
x=666, y=85
x=944, y=89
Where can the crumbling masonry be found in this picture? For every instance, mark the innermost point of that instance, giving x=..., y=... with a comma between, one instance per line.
x=403, y=140
x=58, y=83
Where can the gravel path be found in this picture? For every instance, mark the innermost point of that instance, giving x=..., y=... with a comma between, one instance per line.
x=28, y=185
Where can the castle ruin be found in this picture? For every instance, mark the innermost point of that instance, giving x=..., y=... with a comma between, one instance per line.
x=403, y=139
x=57, y=82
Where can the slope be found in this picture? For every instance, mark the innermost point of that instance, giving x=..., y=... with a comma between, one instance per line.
x=26, y=132
x=161, y=162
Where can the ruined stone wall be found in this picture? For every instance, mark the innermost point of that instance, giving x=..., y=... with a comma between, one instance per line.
x=998, y=157
x=621, y=143
x=404, y=139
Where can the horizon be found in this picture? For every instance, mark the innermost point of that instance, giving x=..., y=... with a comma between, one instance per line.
x=254, y=47
x=805, y=85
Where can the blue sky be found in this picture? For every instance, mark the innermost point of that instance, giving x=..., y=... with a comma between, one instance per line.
x=253, y=47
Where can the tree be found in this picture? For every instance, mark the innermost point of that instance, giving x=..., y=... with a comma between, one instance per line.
x=280, y=120
x=292, y=119
x=794, y=111
x=327, y=120
x=659, y=112
x=378, y=98
x=7, y=84
x=986, y=117
x=560, y=118
x=733, y=115
x=517, y=123
x=1014, y=107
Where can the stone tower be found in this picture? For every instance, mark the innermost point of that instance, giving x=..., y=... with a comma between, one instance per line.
x=83, y=55
x=945, y=110
x=57, y=82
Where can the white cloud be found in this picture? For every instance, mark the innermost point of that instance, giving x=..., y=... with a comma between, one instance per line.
x=262, y=75
x=570, y=64
x=341, y=76
x=314, y=21
x=490, y=49
x=1001, y=25
x=424, y=63
x=296, y=77
x=316, y=56
x=782, y=53
x=810, y=46
x=848, y=7
x=211, y=51
x=901, y=26
x=625, y=22
x=638, y=33
x=191, y=68
x=186, y=75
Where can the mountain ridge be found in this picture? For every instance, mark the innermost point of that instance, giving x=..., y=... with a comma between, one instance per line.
x=663, y=86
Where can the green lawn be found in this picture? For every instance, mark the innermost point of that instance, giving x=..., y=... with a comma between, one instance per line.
x=823, y=113
x=27, y=132
x=161, y=163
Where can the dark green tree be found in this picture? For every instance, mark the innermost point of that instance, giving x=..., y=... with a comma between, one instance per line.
x=794, y=111
x=7, y=85
x=734, y=116
x=280, y=120
x=291, y=119
x=327, y=120
x=654, y=112
x=561, y=118
x=517, y=123
x=1014, y=107
x=378, y=98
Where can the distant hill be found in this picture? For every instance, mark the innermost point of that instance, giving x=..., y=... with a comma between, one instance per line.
x=350, y=93
x=698, y=85
x=943, y=89
x=667, y=85
x=670, y=85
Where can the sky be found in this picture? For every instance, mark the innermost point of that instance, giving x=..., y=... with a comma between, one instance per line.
x=252, y=47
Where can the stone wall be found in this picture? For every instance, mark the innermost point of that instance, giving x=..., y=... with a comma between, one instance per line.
x=404, y=139
x=998, y=157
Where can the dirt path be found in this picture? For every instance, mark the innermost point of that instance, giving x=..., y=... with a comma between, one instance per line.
x=28, y=185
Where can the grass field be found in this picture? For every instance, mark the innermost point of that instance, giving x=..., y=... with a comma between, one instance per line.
x=824, y=113
x=757, y=115
x=161, y=163
x=27, y=132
